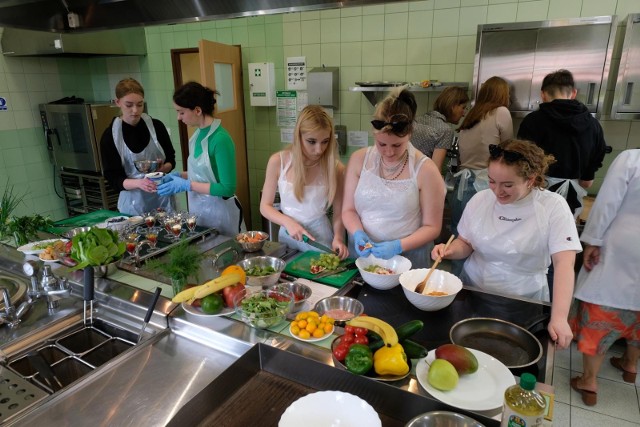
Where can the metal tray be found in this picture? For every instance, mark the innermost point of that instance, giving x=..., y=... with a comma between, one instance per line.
x=261, y=384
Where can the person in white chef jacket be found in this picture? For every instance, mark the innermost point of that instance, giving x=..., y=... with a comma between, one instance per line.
x=511, y=231
x=211, y=167
x=607, y=305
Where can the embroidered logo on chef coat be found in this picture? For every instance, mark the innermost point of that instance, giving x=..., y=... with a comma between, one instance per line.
x=569, y=239
x=504, y=218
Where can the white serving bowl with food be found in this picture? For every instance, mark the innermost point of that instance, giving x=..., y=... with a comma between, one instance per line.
x=382, y=273
x=438, y=293
x=263, y=271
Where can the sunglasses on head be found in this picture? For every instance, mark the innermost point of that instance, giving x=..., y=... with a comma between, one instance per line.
x=397, y=126
x=496, y=152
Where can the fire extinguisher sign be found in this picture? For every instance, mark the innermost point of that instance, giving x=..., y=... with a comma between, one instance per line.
x=3, y=104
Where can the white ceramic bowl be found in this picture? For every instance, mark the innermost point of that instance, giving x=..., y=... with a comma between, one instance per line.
x=398, y=264
x=330, y=408
x=155, y=177
x=440, y=280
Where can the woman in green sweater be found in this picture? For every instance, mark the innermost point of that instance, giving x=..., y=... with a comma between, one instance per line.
x=211, y=168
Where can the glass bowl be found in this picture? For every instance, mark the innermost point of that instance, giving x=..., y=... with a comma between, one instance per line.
x=263, y=308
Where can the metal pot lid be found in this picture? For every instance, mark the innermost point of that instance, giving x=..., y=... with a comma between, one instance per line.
x=16, y=287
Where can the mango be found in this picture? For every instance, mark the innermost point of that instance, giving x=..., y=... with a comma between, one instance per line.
x=460, y=357
x=442, y=375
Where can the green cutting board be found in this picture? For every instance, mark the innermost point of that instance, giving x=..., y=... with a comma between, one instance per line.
x=299, y=267
x=83, y=220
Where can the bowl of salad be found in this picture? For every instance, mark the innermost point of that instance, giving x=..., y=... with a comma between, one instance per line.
x=262, y=271
x=382, y=273
x=263, y=308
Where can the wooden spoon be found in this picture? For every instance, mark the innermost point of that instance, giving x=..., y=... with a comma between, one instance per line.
x=420, y=288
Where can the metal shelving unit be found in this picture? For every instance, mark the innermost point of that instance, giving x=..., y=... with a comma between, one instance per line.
x=376, y=93
x=84, y=192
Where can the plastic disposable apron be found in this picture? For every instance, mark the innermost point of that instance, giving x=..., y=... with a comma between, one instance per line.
x=513, y=263
x=213, y=211
x=390, y=209
x=563, y=190
x=136, y=201
x=310, y=212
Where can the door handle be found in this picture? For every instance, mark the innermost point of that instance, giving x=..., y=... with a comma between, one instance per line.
x=591, y=89
x=628, y=93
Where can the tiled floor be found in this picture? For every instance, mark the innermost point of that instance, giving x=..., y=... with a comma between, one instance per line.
x=618, y=402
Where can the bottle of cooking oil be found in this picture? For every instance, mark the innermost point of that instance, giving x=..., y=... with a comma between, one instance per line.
x=523, y=406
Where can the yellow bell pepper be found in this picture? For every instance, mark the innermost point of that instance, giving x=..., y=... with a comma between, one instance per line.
x=390, y=361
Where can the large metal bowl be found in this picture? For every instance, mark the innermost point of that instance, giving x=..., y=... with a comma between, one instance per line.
x=346, y=304
x=262, y=262
x=260, y=238
x=146, y=166
x=301, y=293
x=442, y=418
x=72, y=233
x=101, y=271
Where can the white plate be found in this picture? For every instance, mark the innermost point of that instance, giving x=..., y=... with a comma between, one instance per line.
x=312, y=339
x=49, y=261
x=29, y=248
x=481, y=391
x=197, y=311
x=330, y=408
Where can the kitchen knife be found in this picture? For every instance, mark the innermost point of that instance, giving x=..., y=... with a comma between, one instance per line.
x=317, y=245
x=348, y=266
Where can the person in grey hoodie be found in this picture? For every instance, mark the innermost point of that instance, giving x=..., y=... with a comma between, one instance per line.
x=564, y=128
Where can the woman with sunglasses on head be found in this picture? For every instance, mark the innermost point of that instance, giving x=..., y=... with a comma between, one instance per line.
x=488, y=122
x=210, y=179
x=394, y=194
x=309, y=178
x=432, y=132
x=510, y=232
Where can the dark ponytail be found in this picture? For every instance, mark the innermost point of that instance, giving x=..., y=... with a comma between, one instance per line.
x=192, y=95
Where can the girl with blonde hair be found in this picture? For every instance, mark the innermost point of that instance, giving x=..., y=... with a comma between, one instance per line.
x=309, y=178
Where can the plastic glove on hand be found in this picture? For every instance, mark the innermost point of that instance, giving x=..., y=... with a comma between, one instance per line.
x=173, y=186
x=362, y=243
x=386, y=250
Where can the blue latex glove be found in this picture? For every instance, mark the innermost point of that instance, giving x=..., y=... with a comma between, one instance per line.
x=174, y=185
x=360, y=238
x=386, y=250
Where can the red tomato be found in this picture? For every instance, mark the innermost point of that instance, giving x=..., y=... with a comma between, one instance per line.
x=340, y=352
x=360, y=331
x=361, y=339
x=350, y=329
x=348, y=338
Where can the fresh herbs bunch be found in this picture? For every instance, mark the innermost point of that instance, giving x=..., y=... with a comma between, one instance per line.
x=25, y=228
x=181, y=262
x=10, y=201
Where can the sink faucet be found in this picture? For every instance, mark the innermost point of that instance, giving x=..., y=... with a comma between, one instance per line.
x=50, y=287
x=11, y=315
x=215, y=257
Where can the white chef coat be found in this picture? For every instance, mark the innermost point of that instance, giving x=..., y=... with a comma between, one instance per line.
x=310, y=212
x=614, y=225
x=513, y=243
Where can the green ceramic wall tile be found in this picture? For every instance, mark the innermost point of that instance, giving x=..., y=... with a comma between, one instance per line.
x=193, y=37
x=351, y=29
x=348, y=77
x=445, y=22
x=470, y=18
x=312, y=54
x=417, y=73
x=469, y=3
x=351, y=54
x=597, y=8
x=394, y=73
x=533, y=11
x=310, y=32
x=223, y=23
x=240, y=35
x=351, y=11
x=330, y=30
x=444, y=50
x=291, y=33
x=373, y=10
x=255, y=54
x=257, y=35
x=502, y=13
x=273, y=34
x=180, y=40
x=224, y=35
x=372, y=53
x=443, y=72
x=330, y=54
x=418, y=51
x=313, y=15
x=275, y=54
x=329, y=13
x=396, y=7
x=261, y=136
x=291, y=17
x=273, y=19
x=395, y=26
x=373, y=27
x=154, y=42
x=210, y=34
x=371, y=73
x=395, y=52
x=420, y=24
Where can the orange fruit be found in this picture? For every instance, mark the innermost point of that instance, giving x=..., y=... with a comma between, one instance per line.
x=318, y=333
x=302, y=324
x=328, y=328
x=311, y=327
x=305, y=335
x=295, y=330
x=236, y=269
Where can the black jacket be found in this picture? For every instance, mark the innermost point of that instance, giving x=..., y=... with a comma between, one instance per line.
x=566, y=129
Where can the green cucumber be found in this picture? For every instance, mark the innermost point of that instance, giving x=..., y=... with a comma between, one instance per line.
x=413, y=350
x=404, y=331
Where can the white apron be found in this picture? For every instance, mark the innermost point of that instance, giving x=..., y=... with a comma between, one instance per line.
x=390, y=209
x=216, y=212
x=511, y=261
x=564, y=189
x=311, y=212
x=136, y=201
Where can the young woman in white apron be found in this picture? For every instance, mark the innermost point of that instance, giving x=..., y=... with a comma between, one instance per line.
x=135, y=136
x=510, y=232
x=394, y=195
x=211, y=197
x=309, y=179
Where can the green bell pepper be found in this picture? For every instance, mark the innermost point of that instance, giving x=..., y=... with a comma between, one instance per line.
x=359, y=359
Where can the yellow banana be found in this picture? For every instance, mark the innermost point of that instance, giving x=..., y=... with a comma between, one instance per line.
x=185, y=295
x=217, y=284
x=380, y=327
